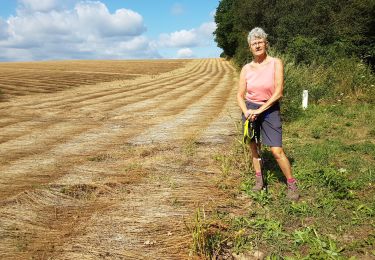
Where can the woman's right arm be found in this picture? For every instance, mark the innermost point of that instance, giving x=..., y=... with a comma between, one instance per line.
x=241, y=91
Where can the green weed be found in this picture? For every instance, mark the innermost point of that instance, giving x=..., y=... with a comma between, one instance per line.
x=271, y=229
x=262, y=197
x=363, y=213
x=208, y=238
x=364, y=148
x=199, y=234
x=320, y=247
x=316, y=133
x=300, y=209
x=242, y=241
x=326, y=204
x=338, y=183
x=224, y=162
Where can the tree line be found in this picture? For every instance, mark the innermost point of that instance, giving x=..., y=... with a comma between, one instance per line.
x=308, y=30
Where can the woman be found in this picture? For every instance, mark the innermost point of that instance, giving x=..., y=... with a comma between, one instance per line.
x=260, y=88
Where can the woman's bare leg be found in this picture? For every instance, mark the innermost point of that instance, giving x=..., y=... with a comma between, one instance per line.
x=255, y=156
x=259, y=183
x=283, y=161
x=285, y=167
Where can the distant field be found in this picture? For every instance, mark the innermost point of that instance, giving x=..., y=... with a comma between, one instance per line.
x=25, y=78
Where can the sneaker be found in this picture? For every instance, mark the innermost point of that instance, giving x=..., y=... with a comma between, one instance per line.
x=292, y=192
x=258, y=183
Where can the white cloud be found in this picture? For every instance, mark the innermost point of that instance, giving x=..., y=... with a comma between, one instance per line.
x=206, y=30
x=212, y=14
x=48, y=30
x=38, y=5
x=178, y=39
x=188, y=38
x=184, y=53
x=94, y=17
x=3, y=29
x=140, y=42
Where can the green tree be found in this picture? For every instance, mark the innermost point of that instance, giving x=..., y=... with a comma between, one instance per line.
x=330, y=28
x=225, y=34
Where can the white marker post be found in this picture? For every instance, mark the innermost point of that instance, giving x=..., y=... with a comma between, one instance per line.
x=305, y=98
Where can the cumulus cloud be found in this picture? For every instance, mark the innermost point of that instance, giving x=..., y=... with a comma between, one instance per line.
x=184, y=53
x=94, y=17
x=178, y=39
x=188, y=38
x=3, y=29
x=46, y=29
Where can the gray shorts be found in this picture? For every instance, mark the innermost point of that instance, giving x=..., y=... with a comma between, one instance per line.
x=270, y=124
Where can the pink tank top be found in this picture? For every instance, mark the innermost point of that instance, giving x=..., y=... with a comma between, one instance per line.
x=260, y=82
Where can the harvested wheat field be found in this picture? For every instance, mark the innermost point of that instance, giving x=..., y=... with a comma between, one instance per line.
x=110, y=159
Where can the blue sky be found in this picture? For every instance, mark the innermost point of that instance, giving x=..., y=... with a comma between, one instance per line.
x=107, y=29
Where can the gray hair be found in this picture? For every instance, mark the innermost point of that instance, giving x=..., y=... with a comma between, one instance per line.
x=256, y=33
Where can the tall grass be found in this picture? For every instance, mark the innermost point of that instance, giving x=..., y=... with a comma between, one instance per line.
x=340, y=80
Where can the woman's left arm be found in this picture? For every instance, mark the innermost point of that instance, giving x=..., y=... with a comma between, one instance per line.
x=279, y=86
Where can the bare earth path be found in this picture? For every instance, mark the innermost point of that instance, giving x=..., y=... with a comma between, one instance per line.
x=114, y=169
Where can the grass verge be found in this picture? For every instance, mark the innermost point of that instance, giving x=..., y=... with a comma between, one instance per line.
x=332, y=152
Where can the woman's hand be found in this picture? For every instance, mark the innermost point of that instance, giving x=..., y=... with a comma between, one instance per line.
x=253, y=118
x=252, y=114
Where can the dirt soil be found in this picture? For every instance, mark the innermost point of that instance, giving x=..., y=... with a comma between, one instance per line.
x=113, y=169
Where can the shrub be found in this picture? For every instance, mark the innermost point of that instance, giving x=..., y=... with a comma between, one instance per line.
x=344, y=79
